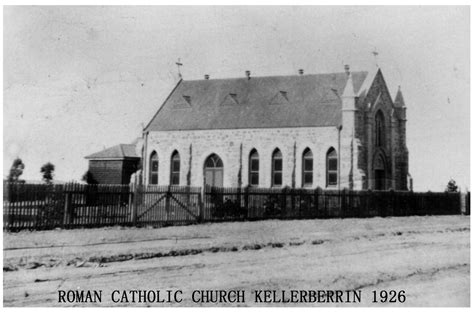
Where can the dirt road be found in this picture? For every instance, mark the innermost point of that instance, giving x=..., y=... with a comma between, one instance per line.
x=427, y=257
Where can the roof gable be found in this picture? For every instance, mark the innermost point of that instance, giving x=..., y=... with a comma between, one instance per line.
x=183, y=103
x=280, y=98
x=377, y=93
x=230, y=100
x=259, y=102
x=330, y=96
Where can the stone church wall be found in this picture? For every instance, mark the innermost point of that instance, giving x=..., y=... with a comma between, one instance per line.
x=227, y=145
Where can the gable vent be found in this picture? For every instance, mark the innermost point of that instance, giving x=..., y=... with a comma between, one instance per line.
x=330, y=96
x=230, y=99
x=280, y=98
x=183, y=103
x=187, y=99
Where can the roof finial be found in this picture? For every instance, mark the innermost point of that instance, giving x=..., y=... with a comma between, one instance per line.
x=375, y=53
x=179, y=64
x=347, y=69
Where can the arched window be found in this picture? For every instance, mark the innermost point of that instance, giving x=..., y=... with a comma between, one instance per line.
x=154, y=168
x=307, y=168
x=379, y=129
x=277, y=168
x=174, y=171
x=253, y=168
x=214, y=171
x=331, y=167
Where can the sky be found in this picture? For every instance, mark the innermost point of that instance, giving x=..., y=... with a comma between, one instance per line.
x=79, y=79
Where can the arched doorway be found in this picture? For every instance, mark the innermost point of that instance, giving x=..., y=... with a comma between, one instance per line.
x=379, y=173
x=214, y=171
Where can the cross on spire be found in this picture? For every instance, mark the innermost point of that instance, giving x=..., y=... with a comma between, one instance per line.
x=179, y=64
x=375, y=53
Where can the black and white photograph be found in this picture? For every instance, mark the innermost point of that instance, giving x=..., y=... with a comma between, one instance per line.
x=236, y=156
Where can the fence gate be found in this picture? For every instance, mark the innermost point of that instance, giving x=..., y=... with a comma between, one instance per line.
x=166, y=204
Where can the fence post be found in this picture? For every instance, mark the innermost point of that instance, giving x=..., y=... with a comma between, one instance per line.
x=448, y=203
x=134, y=205
x=342, y=198
x=468, y=203
x=201, y=204
x=392, y=203
x=412, y=204
x=368, y=203
x=201, y=208
x=131, y=202
x=292, y=199
x=167, y=202
x=316, y=202
x=246, y=200
x=67, y=210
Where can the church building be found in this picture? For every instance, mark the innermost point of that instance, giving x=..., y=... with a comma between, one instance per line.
x=334, y=131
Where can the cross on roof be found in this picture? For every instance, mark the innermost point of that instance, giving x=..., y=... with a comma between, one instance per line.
x=375, y=53
x=179, y=64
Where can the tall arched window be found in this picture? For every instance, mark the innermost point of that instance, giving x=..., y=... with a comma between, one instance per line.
x=379, y=129
x=277, y=168
x=254, y=168
x=307, y=168
x=154, y=168
x=331, y=167
x=174, y=171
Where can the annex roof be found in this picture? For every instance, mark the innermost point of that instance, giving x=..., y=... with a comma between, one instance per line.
x=120, y=151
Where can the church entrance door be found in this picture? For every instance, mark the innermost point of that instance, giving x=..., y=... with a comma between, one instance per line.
x=379, y=173
x=214, y=171
x=379, y=180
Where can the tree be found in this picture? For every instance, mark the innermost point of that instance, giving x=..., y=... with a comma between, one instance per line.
x=48, y=172
x=88, y=178
x=451, y=187
x=16, y=170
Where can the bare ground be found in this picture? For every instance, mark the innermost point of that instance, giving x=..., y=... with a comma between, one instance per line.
x=428, y=257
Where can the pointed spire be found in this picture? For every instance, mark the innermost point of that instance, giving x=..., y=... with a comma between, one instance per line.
x=349, y=89
x=399, y=101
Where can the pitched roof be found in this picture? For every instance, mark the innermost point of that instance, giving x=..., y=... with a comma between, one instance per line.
x=120, y=151
x=259, y=102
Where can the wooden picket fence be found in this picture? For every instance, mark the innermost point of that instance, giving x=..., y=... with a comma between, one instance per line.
x=41, y=206
x=258, y=203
